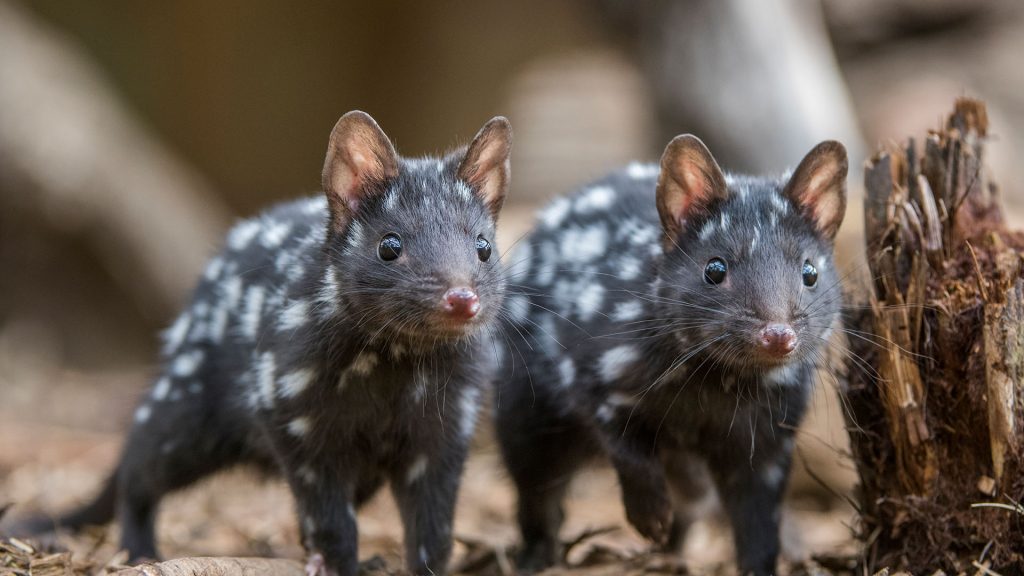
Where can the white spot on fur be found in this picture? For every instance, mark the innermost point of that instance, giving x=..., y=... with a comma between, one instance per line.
x=274, y=233
x=621, y=400
x=589, y=301
x=299, y=427
x=213, y=269
x=417, y=469
x=265, y=369
x=175, y=335
x=143, y=413
x=555, y=213
x=424, y=558
x=315, y=205
x=397, y=351
x=295, y=382
x=595, y=199
x=242, y=234
x=231, y=292
x=639, y=171
x=779, y=203
x=638, y=232
x=162, y=388
x=723, y=222
x=784, y=375
x=327, y=296
x=186, y=363
x=567, y=372
x=351, y=511
x=469, y=407
x=614, y=362
x=584, y=244
x=294, y=315
x=306, y=474
x=250, y=321
x=520, y=260
x=518, y=307
x=391, y=200
x=218, y=323
x=629, y=267
x=548, y=264
x=628, y=310
x=463, y=191
x=355, y=234
x=707, y=231
x=773, y=474
x=364, y=363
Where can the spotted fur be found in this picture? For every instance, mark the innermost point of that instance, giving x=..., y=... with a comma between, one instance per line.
x=303, y=352
x=630, y=353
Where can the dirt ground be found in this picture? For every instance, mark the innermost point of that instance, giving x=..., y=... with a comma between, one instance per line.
x=57, y=456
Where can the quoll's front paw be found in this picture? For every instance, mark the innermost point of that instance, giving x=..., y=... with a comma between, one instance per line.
x=651, y=514
x=316, y=566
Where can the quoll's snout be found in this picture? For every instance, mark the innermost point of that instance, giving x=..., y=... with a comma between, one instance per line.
x=778, y=339
x=461, y=303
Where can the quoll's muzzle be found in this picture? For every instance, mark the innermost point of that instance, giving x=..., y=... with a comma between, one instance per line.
x=460, y=303
x=778, y=340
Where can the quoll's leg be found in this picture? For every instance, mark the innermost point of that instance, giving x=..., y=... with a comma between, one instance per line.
x=543, y=446
x=751, y=491
x=641, y=476
x=688, y=485
x=425, y=489
x=174, y=442
x=327, y=521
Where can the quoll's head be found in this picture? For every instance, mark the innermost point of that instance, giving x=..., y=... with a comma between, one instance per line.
x=414, y=239
x=749, y=261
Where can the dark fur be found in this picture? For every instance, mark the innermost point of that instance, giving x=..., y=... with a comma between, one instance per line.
x=394, y=393
x=690, y=400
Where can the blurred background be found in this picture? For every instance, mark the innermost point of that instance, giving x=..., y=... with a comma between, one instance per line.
x=132, y=134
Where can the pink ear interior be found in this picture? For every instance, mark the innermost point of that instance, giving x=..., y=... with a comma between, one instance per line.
x=359, y=156
x=486, y=166
x=690, y=181
x=818, y=186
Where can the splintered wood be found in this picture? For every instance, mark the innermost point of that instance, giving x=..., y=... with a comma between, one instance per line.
x=936, y=398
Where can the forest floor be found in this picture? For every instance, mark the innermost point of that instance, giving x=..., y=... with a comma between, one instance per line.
x=57, y=443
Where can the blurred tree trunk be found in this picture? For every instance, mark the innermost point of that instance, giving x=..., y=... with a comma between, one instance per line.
x=69, y=150
x=937, y=402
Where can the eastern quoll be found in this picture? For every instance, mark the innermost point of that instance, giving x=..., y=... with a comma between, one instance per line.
x=337, y=340
x=674, y=317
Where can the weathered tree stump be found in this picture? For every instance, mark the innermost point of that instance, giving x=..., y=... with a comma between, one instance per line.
x=935, y=395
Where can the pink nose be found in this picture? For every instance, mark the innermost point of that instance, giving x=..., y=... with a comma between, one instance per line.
x=461, y=303
x=778, y=339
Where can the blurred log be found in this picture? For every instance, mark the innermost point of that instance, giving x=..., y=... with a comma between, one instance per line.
x=757, y=80
x=218, y=567
x=936, y=414
x=70, y=151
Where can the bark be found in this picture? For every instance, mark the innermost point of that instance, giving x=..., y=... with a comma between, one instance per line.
x=936, y=406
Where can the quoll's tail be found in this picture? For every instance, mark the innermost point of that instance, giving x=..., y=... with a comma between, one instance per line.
x=96, y=513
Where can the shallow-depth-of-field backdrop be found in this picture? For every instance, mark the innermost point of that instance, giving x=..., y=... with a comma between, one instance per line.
x=131, y=134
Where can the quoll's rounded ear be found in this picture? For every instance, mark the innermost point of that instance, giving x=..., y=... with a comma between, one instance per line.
x=486, y=166
x=360, y=159
x=818, y=187
x=689, y=182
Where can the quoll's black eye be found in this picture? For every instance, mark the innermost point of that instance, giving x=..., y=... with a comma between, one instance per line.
x=810, y=274
x=483, y=248
x=390, y=247
x=714, y=271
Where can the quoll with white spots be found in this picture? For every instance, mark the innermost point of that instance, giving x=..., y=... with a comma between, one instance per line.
x=672, y=317
x=338, y=340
